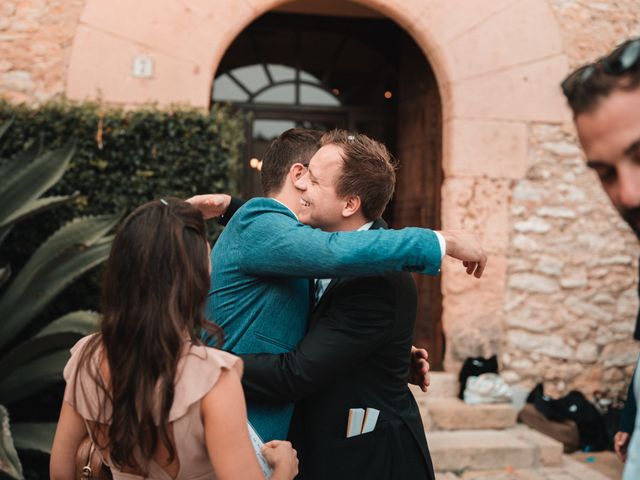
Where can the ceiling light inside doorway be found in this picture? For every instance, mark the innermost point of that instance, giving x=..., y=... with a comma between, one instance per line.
x=388, y=94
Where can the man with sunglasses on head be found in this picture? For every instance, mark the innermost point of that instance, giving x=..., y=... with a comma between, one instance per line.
x=605, y=99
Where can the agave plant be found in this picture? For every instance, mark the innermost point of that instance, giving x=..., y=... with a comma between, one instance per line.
x=29, y=365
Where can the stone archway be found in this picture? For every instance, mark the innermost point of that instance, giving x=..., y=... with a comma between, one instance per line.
x=497, y=65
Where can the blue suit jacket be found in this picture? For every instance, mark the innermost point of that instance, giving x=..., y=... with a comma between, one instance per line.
x=260, y=289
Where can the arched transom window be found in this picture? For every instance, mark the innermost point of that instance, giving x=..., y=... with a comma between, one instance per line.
x=273, y=84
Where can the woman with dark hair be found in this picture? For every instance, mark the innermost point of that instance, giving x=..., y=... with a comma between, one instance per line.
x=155, y=401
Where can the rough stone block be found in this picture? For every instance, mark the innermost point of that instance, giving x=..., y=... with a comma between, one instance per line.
x=533, y=283
x=552, y=345
x=458, y=288
x=17, y=80
x=480, y=205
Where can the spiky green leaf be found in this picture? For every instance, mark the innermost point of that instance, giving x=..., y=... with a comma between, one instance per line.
x=72, y=238
x=5, y=274
x=78, y=232
x=34, y=436
x=33, y=377
x=81, y=322
x=28, y=302
x=33, y=180
x=10, y=168
x=60, y=334
x=9, y=462
x=5, y=126
x=4, y=231
x=36, y=206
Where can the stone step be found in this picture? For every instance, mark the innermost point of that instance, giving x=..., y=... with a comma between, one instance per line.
x=454, y=414
x=569, y=469
x=479, y=450
x=464, y=450
x=549, y=451
x=442, y=385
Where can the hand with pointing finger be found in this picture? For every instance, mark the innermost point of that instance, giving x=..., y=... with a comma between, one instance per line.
x=465, y=246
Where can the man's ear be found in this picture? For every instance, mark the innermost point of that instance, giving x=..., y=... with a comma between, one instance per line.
x=351, y=206
x=296, y=171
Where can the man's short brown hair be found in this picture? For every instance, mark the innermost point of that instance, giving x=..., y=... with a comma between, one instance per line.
x=368, y=170
x=296, y=145
x=586, y=86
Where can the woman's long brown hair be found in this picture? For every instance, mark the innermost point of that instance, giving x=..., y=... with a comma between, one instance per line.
x=154, y=291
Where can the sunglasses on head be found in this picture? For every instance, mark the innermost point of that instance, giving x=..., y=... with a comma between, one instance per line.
x=619, y=62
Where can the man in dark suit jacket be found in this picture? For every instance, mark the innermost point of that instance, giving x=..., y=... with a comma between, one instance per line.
x=356, y=353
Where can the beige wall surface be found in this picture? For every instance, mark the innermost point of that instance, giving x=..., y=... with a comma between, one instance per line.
x=558, y=301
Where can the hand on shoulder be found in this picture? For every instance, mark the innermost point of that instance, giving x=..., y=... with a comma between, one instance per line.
x=211, y=205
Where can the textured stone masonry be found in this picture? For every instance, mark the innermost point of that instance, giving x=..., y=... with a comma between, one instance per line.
x=35, y=45
x=571, y=274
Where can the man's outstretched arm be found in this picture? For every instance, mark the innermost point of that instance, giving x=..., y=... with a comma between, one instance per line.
x=421, y=252
x=273, y=243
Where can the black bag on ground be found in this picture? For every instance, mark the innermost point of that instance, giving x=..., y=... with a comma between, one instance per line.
x=474, y=366
x=574, y=406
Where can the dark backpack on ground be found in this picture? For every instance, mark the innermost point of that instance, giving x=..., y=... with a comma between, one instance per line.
x=574, y=406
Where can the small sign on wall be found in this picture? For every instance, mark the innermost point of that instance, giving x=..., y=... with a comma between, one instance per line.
x=142, y=66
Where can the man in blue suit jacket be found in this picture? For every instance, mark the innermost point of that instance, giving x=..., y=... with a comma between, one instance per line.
x=262, y=262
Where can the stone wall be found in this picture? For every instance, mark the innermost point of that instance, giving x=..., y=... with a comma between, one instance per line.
x=571, y=297
x=592, y=27
x=35, y=45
